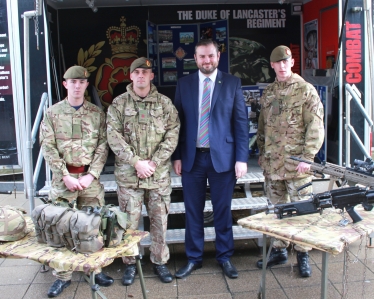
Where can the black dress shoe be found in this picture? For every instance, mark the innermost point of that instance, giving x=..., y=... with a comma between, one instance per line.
x=57, y=288
x=163, y=273
x=129, y=275
x=187, y=270
x=103, y=280
x=277, y=256
x=229, y=269
x=303, y=263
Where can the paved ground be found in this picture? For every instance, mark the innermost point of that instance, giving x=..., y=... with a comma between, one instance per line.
x=22, y=278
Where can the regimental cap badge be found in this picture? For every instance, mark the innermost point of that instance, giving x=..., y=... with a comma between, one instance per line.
x=280, y=53
x=76, y=72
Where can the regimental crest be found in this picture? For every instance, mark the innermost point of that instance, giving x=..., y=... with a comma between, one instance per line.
x=180, y=53
x=123, y=39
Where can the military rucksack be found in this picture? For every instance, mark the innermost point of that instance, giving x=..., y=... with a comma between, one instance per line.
x=45, y=218
x=84, y=231
x=12, y=223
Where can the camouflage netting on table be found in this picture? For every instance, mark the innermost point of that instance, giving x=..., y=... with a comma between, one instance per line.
x=63, y=259
x=321, y=232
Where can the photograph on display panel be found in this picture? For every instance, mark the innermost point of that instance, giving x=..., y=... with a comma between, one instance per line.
x=311, y=45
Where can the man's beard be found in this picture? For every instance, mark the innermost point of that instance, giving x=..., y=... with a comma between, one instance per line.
x=208, y=71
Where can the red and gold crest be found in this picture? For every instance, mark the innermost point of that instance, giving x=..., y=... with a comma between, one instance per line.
x=123, y=41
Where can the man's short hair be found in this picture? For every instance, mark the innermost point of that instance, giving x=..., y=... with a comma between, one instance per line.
x=207, y=42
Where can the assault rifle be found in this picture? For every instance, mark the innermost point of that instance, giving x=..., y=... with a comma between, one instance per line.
x=343, y=198
x=361, y=172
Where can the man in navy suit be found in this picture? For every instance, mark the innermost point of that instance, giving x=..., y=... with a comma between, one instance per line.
x=213, y=145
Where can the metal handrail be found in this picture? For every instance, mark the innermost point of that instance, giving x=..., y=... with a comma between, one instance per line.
x=353, y=93
x=42, y=106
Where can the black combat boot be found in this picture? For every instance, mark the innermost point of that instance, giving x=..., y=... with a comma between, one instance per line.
x=163, y=273
x=58, y=287
x=303, y=263
x=103, y=280
x=277, y=256
x=129, y=275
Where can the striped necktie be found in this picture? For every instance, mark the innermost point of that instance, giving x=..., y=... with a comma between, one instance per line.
x=205, y=114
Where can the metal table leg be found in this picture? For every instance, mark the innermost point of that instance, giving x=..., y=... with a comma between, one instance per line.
x=95, y=289
x=265, y=258
x=325, y=259
x=140, y=272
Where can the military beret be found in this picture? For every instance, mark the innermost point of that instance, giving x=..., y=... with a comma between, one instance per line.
x=280, y=53
x=142, y=63
x=76, y=72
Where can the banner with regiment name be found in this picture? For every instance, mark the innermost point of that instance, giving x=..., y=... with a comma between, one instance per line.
x=254, y=30
x=106, y=42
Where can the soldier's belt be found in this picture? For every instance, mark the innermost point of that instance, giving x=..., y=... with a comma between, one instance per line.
x=77, y=169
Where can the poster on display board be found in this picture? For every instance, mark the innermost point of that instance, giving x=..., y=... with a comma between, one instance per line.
x=152, y=48
x=176, y=48
x=252, y=95
x=8, y=140
x=311, y=45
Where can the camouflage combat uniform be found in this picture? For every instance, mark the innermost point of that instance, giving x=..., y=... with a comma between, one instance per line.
x=144, y=129
x=74, y=137
x=294, y=129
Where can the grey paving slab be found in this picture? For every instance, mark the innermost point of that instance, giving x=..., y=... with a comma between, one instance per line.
x=201, y=284
x=270, y=294
x=311, y=292
x=16, y=291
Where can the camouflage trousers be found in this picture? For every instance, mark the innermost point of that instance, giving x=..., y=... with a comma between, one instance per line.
x=92, y=196
x=59, y=190
x=157, y=202
x=283, y=191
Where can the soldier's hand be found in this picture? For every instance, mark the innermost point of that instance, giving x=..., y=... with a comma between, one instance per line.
x=240, y=169
x=86, y=180
x=303, y=167
x=177, y=166
x=144, y=169
x=71, y=183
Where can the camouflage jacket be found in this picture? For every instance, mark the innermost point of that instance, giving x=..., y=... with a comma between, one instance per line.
x=74, y=137
x=142, y=129
x=297, y=130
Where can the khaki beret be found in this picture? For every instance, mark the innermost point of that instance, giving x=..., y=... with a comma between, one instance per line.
x=76, y=72
x=142, y=63
x=280, y=53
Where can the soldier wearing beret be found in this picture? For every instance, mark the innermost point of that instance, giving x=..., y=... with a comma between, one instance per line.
x=74, y=144
x=290, y=124
x=143, y=128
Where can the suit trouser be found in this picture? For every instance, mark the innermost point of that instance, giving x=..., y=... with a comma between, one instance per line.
x=157, y=202
x=194, y=192
x=283, y=191
x=92, y=196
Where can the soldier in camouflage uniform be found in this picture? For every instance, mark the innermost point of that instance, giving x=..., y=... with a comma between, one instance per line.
x=290, y=124
x=143, y=128
x=74, y=144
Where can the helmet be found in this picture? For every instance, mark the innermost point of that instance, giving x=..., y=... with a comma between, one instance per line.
x=12, y=223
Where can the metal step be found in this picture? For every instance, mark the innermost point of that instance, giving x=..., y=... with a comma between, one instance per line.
x=237, y=204
x=177, y=235
x=110, y=184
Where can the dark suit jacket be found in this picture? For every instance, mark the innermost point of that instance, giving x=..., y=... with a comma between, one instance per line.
x=228, y=125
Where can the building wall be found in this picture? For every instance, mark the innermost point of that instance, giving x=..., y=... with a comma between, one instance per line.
x=327, y=15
